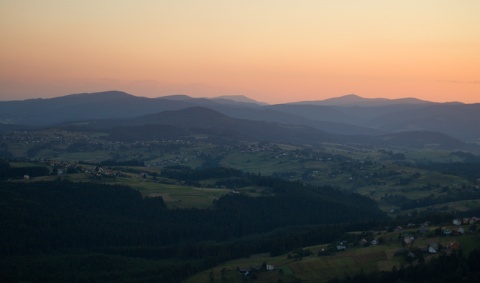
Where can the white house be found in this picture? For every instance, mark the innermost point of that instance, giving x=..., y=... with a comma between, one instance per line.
x=457, y=222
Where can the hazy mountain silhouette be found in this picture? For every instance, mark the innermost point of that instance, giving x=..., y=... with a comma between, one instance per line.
x=237, y=99
x=102, y=105
x=347, y=115
x=355, y=100
x=457, y=120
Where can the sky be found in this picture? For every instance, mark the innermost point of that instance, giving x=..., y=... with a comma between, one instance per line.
x=274, y=51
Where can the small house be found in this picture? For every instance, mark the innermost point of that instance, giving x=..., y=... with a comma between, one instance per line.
x=433, y=248
x=454, y=246
x=423, y=229
x=398, y=229
x=473, y=220
x=408, y=239
x=341, y=246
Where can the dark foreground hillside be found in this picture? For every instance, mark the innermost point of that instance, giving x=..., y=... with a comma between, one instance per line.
x=112, y=227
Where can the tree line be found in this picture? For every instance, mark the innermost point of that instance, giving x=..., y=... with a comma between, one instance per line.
x=9, y=172
x=61, y=214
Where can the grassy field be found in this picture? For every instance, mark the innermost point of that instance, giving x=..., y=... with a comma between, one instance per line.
x=264, y=163
x=175, y=196
x=432, y=155
x=322, y=268
x=455, y=206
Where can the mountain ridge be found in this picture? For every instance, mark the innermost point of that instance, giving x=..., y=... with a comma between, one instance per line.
x=356, y=100
x=454, y=119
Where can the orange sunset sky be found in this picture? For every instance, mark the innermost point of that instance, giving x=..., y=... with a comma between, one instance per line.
x=274, y=51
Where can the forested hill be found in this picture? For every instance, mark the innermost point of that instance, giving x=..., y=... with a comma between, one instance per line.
x=45, y=216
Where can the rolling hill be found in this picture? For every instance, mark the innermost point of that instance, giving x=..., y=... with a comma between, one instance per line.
x=204, y=121
x=201, y=121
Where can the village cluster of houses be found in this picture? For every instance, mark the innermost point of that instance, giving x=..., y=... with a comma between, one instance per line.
x=58, y=141
x=279, y=152
x=98, y=171
x=61, y=168
x=407, y=239
x=431, y=248
x=465, y=221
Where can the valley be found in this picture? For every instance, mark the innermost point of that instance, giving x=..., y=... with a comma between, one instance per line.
x=393, y=178
x=191, y=193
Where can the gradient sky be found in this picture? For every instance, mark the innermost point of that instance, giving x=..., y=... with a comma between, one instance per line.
x=270, y=50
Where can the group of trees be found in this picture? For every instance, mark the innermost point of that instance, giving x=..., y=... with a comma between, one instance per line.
x=9, y=172
x=468, y=170
x=62, y=214
x=444, y=269
x=405, y=203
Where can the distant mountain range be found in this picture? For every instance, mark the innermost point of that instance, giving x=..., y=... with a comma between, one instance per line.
x=355, y=100
x=344, y=119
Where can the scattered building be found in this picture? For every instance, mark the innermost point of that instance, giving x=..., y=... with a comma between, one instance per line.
x=398, y=229
x=454, y=246
x=447, y=232
x=433, y=248
x=341, y=246
x=423, y=229
x=408, y=239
